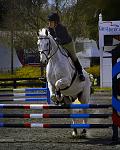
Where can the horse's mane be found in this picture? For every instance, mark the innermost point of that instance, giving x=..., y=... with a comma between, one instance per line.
x=45, y=33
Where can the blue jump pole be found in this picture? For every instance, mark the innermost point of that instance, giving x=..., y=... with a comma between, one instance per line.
x=48, y=94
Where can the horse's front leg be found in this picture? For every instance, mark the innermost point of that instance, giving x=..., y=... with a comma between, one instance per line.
x=52, y=92
x=62, y=83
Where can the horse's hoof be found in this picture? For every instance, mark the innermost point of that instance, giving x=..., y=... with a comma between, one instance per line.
x=74, y=133
x=83, y=134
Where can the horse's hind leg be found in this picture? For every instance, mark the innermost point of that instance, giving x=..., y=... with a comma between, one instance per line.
x=68, y=100
x=76, y=131
x=84, y=99
x=75, y=121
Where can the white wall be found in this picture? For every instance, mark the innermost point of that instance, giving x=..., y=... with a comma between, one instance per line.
x=107, y=72
x=107, y=66
x=85, y=61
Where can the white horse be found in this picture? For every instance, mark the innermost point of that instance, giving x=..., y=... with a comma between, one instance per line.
x=61, y=73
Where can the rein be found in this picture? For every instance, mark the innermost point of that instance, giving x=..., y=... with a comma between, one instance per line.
x=47, y=55
x=43, y=51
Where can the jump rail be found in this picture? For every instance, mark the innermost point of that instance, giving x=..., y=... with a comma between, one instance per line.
x=46, y=106
x=13, y=82
x=55, y=115
x=16, y=96
x=40, y=125
x=23, y=94
x=24, y=99
x=21, y=89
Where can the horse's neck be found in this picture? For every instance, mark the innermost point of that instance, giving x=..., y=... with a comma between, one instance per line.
x=56, y=52
x=59, y=66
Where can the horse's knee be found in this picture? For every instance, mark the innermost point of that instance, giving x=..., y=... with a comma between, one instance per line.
x=57, y=85
x=62, y=83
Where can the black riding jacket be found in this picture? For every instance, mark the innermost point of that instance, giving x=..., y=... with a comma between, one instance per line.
x=61, y=34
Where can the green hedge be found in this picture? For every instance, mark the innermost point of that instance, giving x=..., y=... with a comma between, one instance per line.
x=30, y=72
x=23, y=72
x=94, y=70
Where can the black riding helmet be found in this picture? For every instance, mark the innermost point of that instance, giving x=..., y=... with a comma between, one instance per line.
x=54, y=17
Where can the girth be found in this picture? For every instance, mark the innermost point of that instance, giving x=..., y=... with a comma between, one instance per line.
x=75, y=74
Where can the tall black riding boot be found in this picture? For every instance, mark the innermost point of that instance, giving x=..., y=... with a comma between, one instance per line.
x=79, y=69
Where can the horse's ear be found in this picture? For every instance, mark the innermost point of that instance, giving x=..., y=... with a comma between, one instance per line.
x=37, y=33
x=46, y=32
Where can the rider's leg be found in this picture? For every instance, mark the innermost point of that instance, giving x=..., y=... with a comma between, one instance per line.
x=71, y=50
x=79, y=69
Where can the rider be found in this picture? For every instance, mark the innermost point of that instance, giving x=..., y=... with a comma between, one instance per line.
x=60, y=34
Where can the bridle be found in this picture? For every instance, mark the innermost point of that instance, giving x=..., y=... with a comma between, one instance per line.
x=43, y=51
x=48, y=56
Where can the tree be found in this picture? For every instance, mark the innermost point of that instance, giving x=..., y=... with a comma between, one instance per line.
x=82, y=17
x=23, y=16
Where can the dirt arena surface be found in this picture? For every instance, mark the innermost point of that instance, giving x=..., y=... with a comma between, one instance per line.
x=57, y=139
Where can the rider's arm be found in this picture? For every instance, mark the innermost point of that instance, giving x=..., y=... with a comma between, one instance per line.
x=52, y=32
x=62, y=35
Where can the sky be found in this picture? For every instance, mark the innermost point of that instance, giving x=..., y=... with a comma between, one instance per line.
x=51, y=1
x=69, y=2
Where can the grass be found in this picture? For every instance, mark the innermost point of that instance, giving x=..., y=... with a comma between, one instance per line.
x=103, y=89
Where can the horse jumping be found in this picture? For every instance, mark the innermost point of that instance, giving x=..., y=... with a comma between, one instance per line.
x=61, y=73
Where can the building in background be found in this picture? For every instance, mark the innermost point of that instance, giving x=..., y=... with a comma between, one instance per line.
x=87, y=52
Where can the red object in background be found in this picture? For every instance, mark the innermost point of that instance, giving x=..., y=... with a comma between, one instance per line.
x=116, y=118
